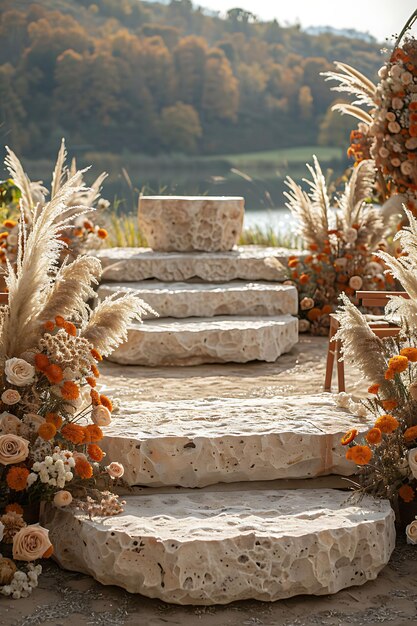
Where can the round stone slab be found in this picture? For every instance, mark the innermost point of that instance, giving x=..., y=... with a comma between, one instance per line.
x=215, y=548
x=188, y=223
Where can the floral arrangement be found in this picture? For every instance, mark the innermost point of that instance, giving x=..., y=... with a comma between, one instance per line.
x=342, y=235
x=20, y=193
x=387, y=452
x=53, y=414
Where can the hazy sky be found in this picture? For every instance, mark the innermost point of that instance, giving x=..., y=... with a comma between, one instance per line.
x=381, y=18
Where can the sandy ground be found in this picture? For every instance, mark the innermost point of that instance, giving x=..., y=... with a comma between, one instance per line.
x=66, y=598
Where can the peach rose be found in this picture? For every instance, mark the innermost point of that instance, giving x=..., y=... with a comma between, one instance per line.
x=62, y=498
x=19, y=372
x=101, y=416
x=9, y=424
x=306, y=303
x=303, y=326
x=355, y=282
x=31, y=543
x=411, y=532
x=115, y=470
x=13, y=449
x=10, y=396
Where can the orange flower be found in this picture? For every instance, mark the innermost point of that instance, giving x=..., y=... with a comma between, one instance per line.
x=102, y=233
x=95, y=397
x=349, y=437
x=41, y=361
x=304, y=278
x=49, y=326
x=398, y=364
x=387, y=424
x=406, y=493
x=70, y=391
x=48, y=553
x=91, y=381
x=17, y=478
x=47, y=431
x=105, y=401
x=9, y=223
x=54, y=374
x=374, y=436
x=55, y=419
x=95, y=452
x=327, y=309
x=14, y=508
x=361, y=455
x=95, y=371
x=389, y=405
x=374, y=388
x=313, y=247
x=59, y=320
x=293, y=263
x=96, y=355
x=83, y=468
x=389, y=374
x=93, y=433
x=314, y=314
x=410, y=353
x=70, y=328
x=410, y=433
x=74, y=433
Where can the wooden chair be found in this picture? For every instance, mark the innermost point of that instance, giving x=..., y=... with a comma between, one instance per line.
x=380, y=326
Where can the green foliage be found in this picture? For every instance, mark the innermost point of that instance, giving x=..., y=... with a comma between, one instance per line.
x=268, y=236
x=124, y=232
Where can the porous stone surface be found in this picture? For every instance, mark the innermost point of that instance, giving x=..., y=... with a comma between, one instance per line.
x=245, y=263
x=213, y=548
x=207, y=340
x=194, y=443
x=210, y=299
x=187, y=223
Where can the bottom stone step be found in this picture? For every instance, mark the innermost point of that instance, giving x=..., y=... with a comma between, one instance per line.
x=214, y=548
x=207, y=340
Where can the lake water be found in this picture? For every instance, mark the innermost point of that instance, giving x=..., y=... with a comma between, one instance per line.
x=278, y=218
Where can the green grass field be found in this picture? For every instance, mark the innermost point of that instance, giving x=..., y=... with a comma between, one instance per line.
x=283, y=156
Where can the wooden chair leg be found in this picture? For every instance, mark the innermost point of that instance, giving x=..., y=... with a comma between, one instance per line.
x=340, y=368
x=331, y=351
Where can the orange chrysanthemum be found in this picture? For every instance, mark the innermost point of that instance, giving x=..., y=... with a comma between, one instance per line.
x=91, y=381
x=361, y=455
x=304, y=278
x=410, y=353
x=17, y=478
x=349, y=437
x=59, y=320
x=41, y=362
x=410, y=434
x=9, y=223
x=74, y=433
x=95, y=452
x=96, y=355
x=389, y=405
x=14, y=508
x=327, y=309
x=95, y=370
x=387, y=424
x=389, y=374
x=105, y=401
x=47, y=431
x=95, y=397
x=83, y=468
x=406, y=493
x=54, y=374
x=293, y=263
x=374, y=436
x=70, y=328
x=55, y=419
x=93, y=433
x=49, y=326
x=314, y=314
x=398, y=364
x=102, y=233
x=70, y=391
x=374, y=388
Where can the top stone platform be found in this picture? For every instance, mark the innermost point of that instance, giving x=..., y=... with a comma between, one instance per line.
x=191, y=223
x=242, y=263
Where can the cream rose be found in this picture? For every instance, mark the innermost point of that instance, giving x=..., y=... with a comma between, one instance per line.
x=115, y=470
x=19, y=372
x=9, y=424
x=412, y=461
x=62, y=498
x=356, y=282
x=306, y=303
x=31, y=543
x=10, y=396
x=303, y=326
x=351, y=235
x=13, y=449
x=411, y=532
x=101, y=416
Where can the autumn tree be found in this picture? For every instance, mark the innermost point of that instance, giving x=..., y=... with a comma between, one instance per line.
x=221, y=91
x=190, y=61
x=180, y=128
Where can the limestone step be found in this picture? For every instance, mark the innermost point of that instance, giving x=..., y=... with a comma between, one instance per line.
x=215, y=548
x=210, y=299
x=244, y=262
x=194, y=443
x=207, y=340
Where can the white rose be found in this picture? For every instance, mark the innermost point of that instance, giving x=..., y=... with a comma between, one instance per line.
x=9, y=424
x=412, y=461
x=306, y=303
x=406, y=78
x=303, y=326
x=62, y=498
x=115, y=470
x=406, y=168
x=10, y=396
x=19, y=372
x=397, y=103
x=411, y=532
x=356, y=282
x=101, y=416
x=343, y=400
x=31, y=543
x=13, y=449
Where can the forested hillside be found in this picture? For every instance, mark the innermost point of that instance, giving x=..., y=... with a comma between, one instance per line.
x=124, y=75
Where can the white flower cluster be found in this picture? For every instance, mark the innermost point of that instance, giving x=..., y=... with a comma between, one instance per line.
x=54, y=470
x=23, y=583
x=345, y=401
